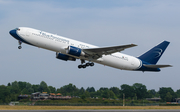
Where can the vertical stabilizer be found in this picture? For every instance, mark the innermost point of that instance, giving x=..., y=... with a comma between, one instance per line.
x=153, y=55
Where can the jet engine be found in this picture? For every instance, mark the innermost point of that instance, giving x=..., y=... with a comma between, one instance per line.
x=74, y=51
x=64, y=57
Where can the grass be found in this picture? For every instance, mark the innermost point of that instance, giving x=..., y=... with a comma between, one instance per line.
x=6, y=107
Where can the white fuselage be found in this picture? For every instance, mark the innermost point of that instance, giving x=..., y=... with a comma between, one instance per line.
x=59, y=44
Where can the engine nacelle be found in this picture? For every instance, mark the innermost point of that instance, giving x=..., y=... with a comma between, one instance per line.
x=75, y=51
x=64, y=57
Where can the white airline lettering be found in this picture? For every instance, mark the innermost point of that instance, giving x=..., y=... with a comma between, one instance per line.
x=57, y=38
x=51, y=37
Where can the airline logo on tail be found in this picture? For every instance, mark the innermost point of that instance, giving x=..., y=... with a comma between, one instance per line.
x=158, y=52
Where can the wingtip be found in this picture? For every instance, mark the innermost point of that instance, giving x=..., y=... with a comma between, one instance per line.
x=133, y=44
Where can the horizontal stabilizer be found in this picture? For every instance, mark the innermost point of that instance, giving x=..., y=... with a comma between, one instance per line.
x=157, y=66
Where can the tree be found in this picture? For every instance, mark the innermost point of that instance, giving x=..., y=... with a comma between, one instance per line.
x=105, y=93
x=81, y=91
x=127, y=90
x=35, y=88
x=103, y=89
x=151, y=93
x=31, y=90
x=43, y=87
x=4, y=94
x=52, y=89
x=83, y=96
x=62, y=91
x=90, y=89
x=178, y=93
x=112, y=95
x=140, y=90
x=87, y=95
x=15, y=88
x=9, y=84
x=28, y=85
x=25, y=87
x=168, y=97
x=24, y=91
x=70, y=90
x=116, y=91
x=93, y=94
x=163, y=93
x=21, y=85
x=99, y=94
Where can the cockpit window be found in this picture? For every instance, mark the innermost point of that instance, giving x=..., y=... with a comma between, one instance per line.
x=17, y=29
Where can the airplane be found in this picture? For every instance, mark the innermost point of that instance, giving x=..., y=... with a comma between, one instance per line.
x=69, y=50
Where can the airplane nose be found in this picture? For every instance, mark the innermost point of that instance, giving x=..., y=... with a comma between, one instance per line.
x=12, y=32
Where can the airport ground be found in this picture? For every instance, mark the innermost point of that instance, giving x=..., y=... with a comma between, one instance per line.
x=7, y=107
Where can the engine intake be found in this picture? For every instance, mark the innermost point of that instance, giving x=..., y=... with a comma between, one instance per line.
x=75, y=51
x=64, y=57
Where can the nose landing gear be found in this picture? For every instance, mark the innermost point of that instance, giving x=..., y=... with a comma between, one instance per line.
x=19, y=47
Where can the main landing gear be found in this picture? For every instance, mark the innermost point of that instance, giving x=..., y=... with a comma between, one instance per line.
x=19, y=47
x=85, y=65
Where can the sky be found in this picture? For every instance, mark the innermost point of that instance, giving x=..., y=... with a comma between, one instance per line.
x=101, y=23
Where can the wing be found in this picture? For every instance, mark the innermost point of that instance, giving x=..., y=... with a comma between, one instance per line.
x=157, y=66
x=98, y=52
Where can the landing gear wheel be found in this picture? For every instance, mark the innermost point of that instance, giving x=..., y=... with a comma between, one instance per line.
x=19, y=47
x=79, y=66
x=87, y=64
x=84, y=66
x=91, y=64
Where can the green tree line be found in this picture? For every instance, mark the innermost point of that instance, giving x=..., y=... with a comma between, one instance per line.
x=136, y=91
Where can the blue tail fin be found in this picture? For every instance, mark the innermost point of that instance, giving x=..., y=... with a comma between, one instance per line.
x=152, y=56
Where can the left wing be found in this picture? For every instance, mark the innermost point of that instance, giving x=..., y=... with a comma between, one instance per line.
x=98, y=52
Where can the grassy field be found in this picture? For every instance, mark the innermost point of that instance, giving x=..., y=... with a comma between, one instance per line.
x=5, y=107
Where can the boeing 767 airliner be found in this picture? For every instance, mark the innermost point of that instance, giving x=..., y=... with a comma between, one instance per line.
x=69, y=49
